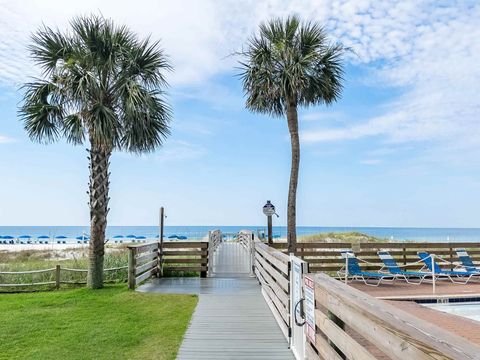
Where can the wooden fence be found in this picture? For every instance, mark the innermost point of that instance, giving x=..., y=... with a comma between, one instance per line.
x=353, y=325
x=215, y=238
x=325, y=257
x=143, y=262
x=185, y=257
x=52, y=278
x=272, y=269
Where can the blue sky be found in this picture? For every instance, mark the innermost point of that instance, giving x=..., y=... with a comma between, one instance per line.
x=401, y=148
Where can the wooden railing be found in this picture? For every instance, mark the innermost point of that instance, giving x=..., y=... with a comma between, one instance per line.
x=185, y=257
x=353, y=325
x=143, y=262
x=244, y=237
x=273, y=271
x=325, y=257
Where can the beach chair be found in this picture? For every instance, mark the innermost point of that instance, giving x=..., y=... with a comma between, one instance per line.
x=391, y=266
x=466, y=261
x=353, y=271
x=434, y=268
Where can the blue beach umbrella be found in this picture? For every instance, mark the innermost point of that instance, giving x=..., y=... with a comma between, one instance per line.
x=118, y=237
x=81, y=238
x=131, y=237
x=182, y=237
x=45, y=237
x=8, y=239
x=173, y=237
x=22, y=237
x=140, y=238
x=276, y=236
x=60, y=239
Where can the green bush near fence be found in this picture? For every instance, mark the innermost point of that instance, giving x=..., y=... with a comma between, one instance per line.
x=111, y=323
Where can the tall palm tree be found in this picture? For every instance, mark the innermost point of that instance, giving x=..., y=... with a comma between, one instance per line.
x=103, y=85
x=287, y=65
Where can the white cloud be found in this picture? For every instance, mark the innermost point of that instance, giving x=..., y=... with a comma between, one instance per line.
x=178, y=150
x=370, y=161
x=5, y=139
x=430, y=51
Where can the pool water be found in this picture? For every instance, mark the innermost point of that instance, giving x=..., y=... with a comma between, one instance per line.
x=470, y=310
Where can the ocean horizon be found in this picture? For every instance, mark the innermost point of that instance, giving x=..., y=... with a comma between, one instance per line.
x=200, y=232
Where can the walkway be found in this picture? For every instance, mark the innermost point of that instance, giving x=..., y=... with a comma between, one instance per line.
x=232, y=320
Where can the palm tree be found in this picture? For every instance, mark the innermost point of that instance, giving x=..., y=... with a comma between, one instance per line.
x=287, y=65
x=101, y=84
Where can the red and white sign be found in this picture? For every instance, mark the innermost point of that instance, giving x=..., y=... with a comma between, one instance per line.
x=309, y=292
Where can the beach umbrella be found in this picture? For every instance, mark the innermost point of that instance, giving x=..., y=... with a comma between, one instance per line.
x=46, y=237
x=140, y=237
x=130, y=236
x=60, y=239
x=118, y=237
x=182, y=237
x=24, y=237
x=9, y=238
x=276, y=236
x=83, y=237
x=173, y=237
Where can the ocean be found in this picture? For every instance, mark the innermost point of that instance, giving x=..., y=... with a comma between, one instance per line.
x=199, y=232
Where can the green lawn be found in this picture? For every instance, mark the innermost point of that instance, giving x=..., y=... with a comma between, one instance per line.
x=112, y=323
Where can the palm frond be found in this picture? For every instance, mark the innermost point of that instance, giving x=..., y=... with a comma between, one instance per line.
x=290, y=61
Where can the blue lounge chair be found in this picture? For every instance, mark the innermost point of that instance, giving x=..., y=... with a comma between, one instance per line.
x=392, y=267
x=355, y=272
x=466, y=260
x=433, y=267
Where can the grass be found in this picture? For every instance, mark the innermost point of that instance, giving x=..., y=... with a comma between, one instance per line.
x=351, y=237
x=111, y=323
x=27, y=260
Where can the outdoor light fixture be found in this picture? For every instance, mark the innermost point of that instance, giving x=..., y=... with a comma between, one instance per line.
x=269, y=210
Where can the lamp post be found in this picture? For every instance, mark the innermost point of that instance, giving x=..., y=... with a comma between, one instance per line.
x=269, y=210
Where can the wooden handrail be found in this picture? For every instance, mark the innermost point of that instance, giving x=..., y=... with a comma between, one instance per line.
x=397, y=333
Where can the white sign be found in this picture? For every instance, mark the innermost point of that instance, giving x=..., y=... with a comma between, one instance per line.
x=309, y=291
x=297, y=341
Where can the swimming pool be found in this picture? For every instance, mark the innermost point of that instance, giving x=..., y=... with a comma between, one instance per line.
x=470, y=310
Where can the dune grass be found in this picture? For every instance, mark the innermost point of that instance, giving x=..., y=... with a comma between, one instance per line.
x=111, y=323
x=332, y=237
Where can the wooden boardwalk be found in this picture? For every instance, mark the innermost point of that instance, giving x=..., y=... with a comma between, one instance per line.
x=232, y=320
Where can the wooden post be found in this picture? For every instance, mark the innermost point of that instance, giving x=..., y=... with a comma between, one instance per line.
x=405, y=256
x=160, y=244
x=57, y=277
x=131, y=268
x=270, y=235
x=210, y=254
x=451, y=259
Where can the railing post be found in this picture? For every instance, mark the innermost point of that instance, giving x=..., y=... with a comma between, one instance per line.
x=432, y=258
x=252, y=255
x=210, y=251
x=131, y=268
x=57, y=277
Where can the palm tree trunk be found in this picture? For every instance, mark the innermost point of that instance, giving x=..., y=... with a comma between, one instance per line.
x=292, y=120
x=98, y=190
